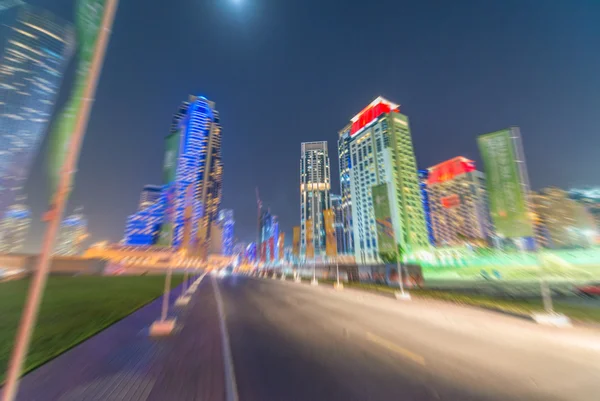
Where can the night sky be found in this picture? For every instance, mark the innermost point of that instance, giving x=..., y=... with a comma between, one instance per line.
x=286, y=71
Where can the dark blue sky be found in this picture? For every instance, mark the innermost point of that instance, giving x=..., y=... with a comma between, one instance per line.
x=283, y=72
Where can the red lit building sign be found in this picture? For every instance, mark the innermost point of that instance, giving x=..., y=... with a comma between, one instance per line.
x=448, y=170
x=370, y=113
x=451, y=201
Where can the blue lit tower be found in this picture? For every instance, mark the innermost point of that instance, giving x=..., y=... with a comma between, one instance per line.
x=423, y=176
x=227, y=226
x=36, y=50
x=150, y=195
x=192, y=181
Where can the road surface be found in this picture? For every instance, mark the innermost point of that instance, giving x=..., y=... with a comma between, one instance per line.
x=293, y=342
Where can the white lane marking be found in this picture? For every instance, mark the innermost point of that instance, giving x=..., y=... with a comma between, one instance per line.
x=231, y=391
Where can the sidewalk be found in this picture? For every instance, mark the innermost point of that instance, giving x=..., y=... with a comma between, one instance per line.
x=124, y=363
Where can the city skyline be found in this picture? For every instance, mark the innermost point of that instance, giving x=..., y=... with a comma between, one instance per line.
x=494, y=101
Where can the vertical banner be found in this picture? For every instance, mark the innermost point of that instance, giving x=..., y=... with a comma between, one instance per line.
x=310, y=246
x=89, y=15
x=330, y=238
x=383, y=219
x=263, y=252
x=504, y=180
x=272, y=249
x=280, y=247
x=167, y=234
x=296, y=242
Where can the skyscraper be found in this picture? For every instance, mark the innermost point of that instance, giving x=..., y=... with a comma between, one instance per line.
x=507, y=183
x=590, y=197
x=150, y=195
x=458, y=201
x=269, y=235
x=561, y=222
x=37, y=49
x=13, y=228
x=227, y=223
x=71, y=235
x=381, y=152
x=347, y=234
x=315, y=184
x=338, y=210
x=192, y=177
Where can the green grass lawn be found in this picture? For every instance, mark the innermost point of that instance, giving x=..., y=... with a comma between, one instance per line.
x=580, y=313
x=73, y=309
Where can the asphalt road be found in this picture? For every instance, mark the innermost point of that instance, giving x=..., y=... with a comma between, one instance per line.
x=293, y=342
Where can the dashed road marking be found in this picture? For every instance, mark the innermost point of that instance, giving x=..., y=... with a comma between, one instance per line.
x=396, y=348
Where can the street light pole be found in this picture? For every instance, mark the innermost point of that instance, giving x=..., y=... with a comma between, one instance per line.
x=56, y=211
x=314, y=225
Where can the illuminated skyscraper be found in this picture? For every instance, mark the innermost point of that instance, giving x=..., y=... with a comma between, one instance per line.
x=227, y=223
x=13, y=228
x=269, y=234
x=381, y=152
x=37, y=48
x=149, y=196
x=560, y=222
x=315, y=184
x=347, y=237
x=458, y=202
x=192, y=176
x=338, y=225
x=71, y=235
x=590, y=197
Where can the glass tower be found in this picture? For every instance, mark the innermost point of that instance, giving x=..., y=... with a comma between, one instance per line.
x=72, y=233
x=187, y=210
x=150, y=195
x=347, y=238
x=315, y=184
x=381, y=152
x=227, y=226
x=458, y=203
x=13, y=228
x=37, y=48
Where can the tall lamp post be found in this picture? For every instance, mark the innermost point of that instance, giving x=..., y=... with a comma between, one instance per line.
x=314, y=224
x=56, y=211
x=404, y=295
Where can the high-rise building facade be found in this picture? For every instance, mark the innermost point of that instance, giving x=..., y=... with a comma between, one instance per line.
x=37, y=48
x=590, y=197
x=14, y=227
x=345, y=164
x=315, y=184
x=187, y=210
x=227, y=223
x=561, y=222
x=73, y=231
x=507, y=184
x=458, y=203
x=269, y=235
x=149, y=196
x=338, y=224
x=381, y=152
